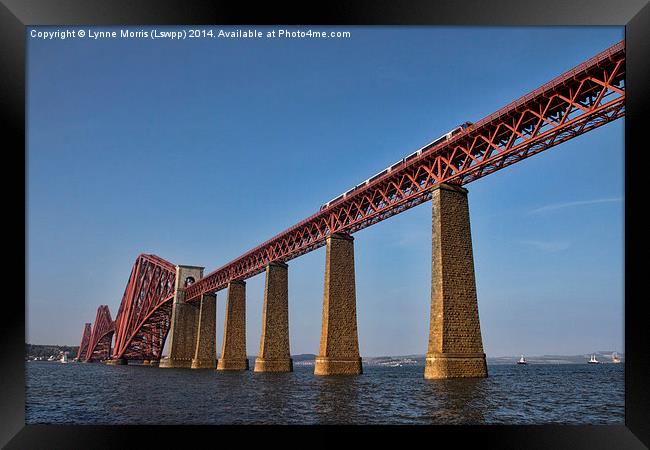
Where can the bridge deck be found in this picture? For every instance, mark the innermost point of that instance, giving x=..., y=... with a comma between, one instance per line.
x=579, y=100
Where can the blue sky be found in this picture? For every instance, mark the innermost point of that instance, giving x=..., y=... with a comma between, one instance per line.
x=198, y=150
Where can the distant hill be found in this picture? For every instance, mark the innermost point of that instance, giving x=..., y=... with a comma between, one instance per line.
x=602, y=356
x=419, y=360
x=304, y=359
x=32, y=350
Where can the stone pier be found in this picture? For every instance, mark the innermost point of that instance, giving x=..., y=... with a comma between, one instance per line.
x=455, y=343
x=274, y=355
x=117, y=362
x=233, y=351
x=184, y=321
x=205, y=354
x=339, y=343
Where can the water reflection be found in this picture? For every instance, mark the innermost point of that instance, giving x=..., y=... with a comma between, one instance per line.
x=274, y=392
x=337, y=398
x=457, y=401
x=100, y=394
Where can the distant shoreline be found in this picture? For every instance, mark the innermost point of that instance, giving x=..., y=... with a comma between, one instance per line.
x=604, y=357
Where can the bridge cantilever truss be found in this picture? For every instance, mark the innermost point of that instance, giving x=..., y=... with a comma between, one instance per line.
x=582, y=99
x=586, y=97
x=99, y=343
x=142, y=322
x=85, y=339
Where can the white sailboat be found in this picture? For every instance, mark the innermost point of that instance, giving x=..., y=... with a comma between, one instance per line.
x=64, y=358
x=593, y=360
x=615, y=358
x=522, y=360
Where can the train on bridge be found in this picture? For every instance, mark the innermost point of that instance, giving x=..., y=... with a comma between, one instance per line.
x=165, y=302
x=445, y=137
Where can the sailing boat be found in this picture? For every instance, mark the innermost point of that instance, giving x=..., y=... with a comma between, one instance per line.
x=522, y=360
x=593, y=360
x=615, y=358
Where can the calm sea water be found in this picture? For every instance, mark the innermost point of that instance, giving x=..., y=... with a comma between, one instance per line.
x=78, y=393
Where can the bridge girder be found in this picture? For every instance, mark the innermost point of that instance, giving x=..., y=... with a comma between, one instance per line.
x=143, y=320
x=581, y=99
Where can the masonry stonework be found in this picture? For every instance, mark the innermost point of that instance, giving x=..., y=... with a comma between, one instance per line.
x=184, y=321
x=455, y=343
x=117, y=362
x=274, y=354
x=233, y=351
x=339, y=343
x=205, y=354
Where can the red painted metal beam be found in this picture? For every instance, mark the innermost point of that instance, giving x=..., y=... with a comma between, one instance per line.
x=143, y=320
x=99, y=344
x=85, y=339
x=581, y=99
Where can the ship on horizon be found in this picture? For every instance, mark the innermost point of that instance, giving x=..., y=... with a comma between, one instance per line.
x=522, y=360
x=593, y=360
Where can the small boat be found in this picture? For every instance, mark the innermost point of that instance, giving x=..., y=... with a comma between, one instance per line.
x=522, y=360
x=51, y=358
x=593, y=360
x=64, y=358
x=615, y=358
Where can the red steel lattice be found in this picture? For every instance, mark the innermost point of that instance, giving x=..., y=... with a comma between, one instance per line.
x=586, y=97
x=99, y=344
x=85, y=339
x=142, y=322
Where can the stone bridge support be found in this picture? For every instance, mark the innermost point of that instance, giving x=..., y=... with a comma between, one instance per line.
x=339, y=343
x=455, y=343
x=184, y=321
x=274, y=354
x=205, y=353
x=233, y=351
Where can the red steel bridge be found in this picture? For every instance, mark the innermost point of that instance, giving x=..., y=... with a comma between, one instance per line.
x=581, y=99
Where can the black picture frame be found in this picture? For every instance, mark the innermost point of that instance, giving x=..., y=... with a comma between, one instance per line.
x=16, y=15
